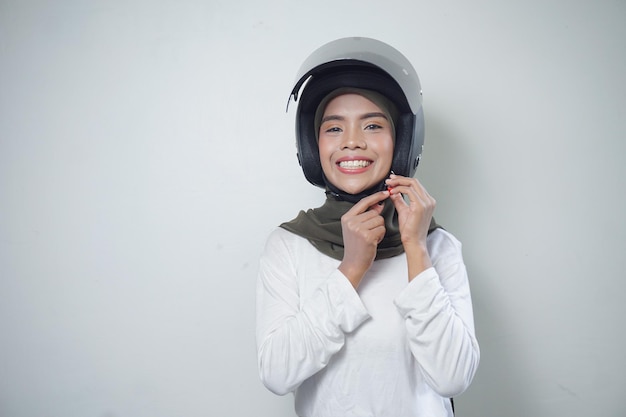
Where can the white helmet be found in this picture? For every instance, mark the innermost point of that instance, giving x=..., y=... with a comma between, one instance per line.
x=366, y=64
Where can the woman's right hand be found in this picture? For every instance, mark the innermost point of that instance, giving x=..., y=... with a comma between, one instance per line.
x=363, y=229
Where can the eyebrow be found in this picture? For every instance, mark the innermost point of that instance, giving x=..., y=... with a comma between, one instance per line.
x=363, y=117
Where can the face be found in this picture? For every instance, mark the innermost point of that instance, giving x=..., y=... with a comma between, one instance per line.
x=355, y=143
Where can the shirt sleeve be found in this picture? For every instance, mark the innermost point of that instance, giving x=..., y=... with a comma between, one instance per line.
x=296, y=338
x=437, y=309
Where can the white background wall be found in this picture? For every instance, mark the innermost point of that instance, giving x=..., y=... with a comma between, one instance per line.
x=145, y=154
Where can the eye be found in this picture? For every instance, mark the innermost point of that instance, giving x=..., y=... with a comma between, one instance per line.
x=373, y=126
x=333, y=129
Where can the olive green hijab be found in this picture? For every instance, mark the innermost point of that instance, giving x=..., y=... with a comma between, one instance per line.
x=322, y=227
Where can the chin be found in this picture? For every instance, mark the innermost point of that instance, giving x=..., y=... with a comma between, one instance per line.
x=356, y=189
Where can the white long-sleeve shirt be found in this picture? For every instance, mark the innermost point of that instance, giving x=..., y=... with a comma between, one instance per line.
x=389, y=348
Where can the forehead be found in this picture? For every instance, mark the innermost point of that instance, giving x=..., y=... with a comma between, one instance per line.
x=351, y=102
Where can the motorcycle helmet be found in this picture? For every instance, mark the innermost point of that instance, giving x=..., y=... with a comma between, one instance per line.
x=361, y=63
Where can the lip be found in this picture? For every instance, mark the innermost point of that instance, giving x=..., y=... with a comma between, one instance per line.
x=353, y=170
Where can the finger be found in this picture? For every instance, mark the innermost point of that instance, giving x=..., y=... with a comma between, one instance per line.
x=364, y=221
x=359, y=219
x=397, y=180
x=409, y=186
x=370, y=229
x=413, y=195
x=373, y=223
x=379, y=233
x=398, y=202
x=366, y=202
x=373, y=230
x=376, y=208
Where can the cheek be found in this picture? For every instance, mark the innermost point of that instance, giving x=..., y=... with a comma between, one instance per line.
x=325, y=153
x=324, y=149
x=385, y=150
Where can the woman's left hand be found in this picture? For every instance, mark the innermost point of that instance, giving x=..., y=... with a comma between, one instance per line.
x=414, y=217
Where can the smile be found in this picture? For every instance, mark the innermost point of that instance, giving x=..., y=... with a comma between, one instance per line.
x=354, y=164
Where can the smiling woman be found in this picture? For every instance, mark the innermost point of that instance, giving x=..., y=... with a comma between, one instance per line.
x=363, y=304
x=355, y=143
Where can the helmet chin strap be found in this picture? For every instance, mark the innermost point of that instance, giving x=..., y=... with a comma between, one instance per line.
x=341, y=195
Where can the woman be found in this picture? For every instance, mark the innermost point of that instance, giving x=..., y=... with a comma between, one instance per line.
x=363, y=304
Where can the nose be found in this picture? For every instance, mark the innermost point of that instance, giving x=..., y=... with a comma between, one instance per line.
x=353, y=139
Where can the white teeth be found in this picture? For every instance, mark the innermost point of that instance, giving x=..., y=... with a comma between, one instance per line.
x=354, y=164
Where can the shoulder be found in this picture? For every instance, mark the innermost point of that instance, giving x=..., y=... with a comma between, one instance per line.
x=283, y=242
x=279, y=252
x=288, y=253
x=282, y=237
